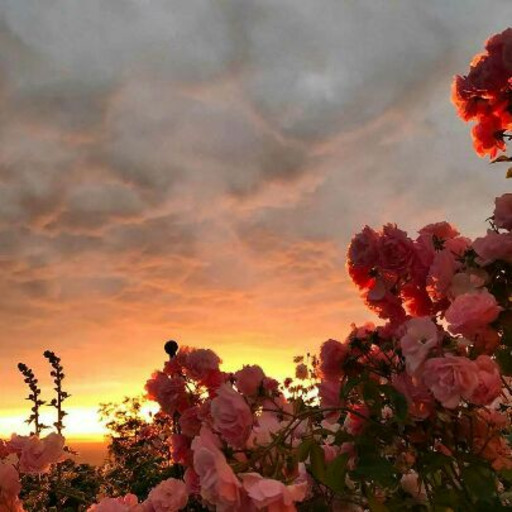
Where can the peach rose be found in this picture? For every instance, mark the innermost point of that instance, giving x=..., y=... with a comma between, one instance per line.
x=128, y=503
x=37, y=455
x=169, y=392
x=273, y=495
x=249, y=380
x=494, y=246
x=168, y=496
x=232, y=417
x=421, y=336
x=200, y=362
x=332, y=355
x=219, y=485
x=451, y=378
x=489, y=381
x=472, y=311
x=503, y=211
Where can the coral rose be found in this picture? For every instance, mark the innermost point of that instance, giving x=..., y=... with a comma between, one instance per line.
x=168, y=496
x=332, y=355
x=128, y=503
x=249, y=380
x=421, y=336
x=489, y=381
x=272, y=495
x=219, y=485
x=494, y=246
x=451, y=378
x=232, y=417
x=503, y=212
x=470, y=312
x=37, y=455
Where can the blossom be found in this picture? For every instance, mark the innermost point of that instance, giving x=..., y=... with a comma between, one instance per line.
x=503, y=212
x=419, y=398
x=441, y=274
x=451, y=378
x=128, y=503
x=412, y=485
x=169, y=392
x=494, y=246
x=356, y=419
x=190, y=421
x=10, y=485
x=362, y=255
x=200, y=362
x=332, y=355
x=232, y=417
x=272, y=495
x=219, y=485
x=470, y=312
x=168, y=496
x=421, y=336
x=37, y=455
x=489, y=381
x=396, y=250
x=249, y=379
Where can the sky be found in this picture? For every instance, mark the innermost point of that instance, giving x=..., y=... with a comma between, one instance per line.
x=195, y=170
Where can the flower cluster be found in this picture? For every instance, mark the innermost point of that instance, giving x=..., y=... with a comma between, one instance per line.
x=484, y=95
x=30, y=455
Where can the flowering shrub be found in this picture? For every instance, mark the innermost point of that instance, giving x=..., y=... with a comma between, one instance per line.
x=410, y=415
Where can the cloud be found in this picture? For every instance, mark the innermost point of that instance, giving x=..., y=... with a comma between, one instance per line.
x=196, y=169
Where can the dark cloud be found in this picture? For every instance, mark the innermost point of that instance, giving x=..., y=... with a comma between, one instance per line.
x=197, y=168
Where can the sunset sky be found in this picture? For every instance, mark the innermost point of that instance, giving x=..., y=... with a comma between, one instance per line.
x=194, y=169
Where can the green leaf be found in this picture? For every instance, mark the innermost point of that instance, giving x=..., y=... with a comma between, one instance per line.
x=479, y=481
x=335, y=473
x=304, y=449
x=317, y=461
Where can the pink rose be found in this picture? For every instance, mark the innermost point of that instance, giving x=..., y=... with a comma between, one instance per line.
x=421, y=336
x=396, y=250
x=329, y=393
x=441, y=230
x=494, y=246
x=200, y=362
x=470, y=312
x=441, y=273
x=503, y=211
x=168, y=496
x=451, y=378
x=419, y=398
x=128, y=503
x=219, y=485
x=10, y=485
x=169, y=392
x=489, y=381
x=249, y=380
x=356, y=419
x=332, y=356
x=232, y=417
x=179, y=447
x=412, y=485
x=191, y=479
x=37, y=455
x=363, y=249
x=190, y=422
x=273, y=495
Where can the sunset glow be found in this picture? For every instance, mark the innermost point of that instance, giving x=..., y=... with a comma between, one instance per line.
x=203, y=185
